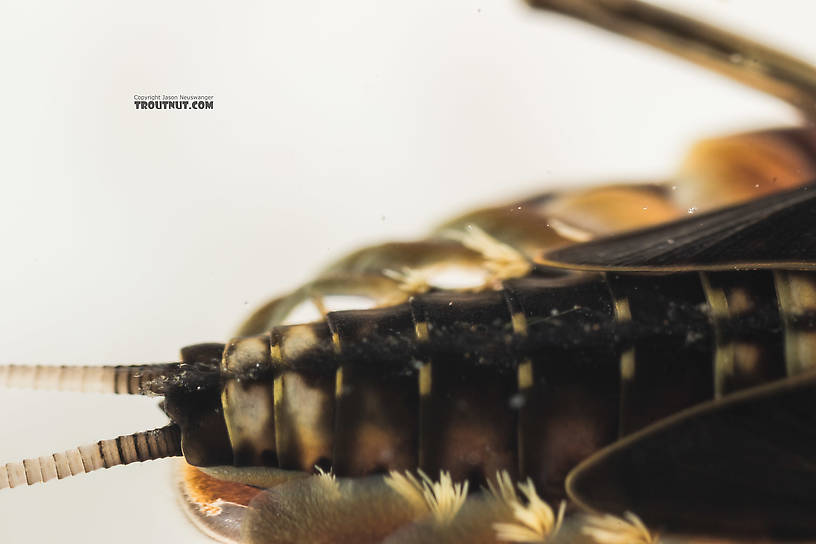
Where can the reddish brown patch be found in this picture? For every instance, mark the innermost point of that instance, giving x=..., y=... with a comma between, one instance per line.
x=208, y=492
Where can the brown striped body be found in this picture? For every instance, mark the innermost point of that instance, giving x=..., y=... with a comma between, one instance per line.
x=531, y=378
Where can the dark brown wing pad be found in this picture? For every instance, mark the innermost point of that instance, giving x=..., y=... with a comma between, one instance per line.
x=746, y=465
x=777, y=232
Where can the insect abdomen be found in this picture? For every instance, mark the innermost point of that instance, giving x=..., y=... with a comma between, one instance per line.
x=531, y=378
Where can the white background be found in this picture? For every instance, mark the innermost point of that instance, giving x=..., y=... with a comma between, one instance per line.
x=126, y=234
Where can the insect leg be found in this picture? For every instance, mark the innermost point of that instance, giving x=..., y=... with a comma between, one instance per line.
x=733, y=169
x=748, y=62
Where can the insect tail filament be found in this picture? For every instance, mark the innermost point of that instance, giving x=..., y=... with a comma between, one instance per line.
x=144, y=446
x=122, y=380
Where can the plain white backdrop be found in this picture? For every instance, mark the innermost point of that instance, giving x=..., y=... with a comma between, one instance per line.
x=127, y=234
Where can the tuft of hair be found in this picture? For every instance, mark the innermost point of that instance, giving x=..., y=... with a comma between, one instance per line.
x=535, y=519
x=609, y=529
x=502, y=489
x=501, y=260
x=443, y=498
x=406, y=486
x=327, y=478
x=412, y=281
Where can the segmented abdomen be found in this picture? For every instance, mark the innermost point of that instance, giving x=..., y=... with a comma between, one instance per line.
x=531, y=378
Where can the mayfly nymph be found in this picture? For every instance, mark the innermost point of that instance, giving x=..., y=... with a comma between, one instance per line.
x=626, y=363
